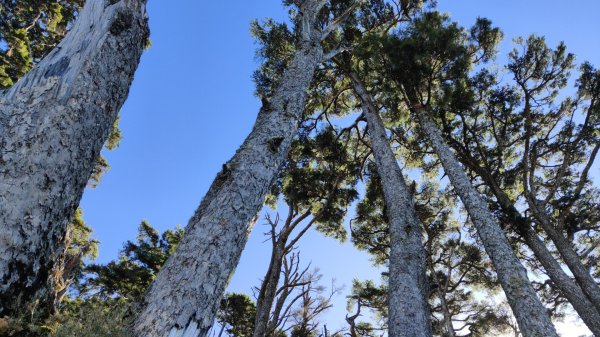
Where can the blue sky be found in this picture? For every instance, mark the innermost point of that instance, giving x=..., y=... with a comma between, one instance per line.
x=192, y=104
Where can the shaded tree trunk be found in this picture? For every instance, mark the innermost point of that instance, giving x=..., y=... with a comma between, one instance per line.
x=270, y=284
x=184, y=297
x=53, y=124
x=531, y=315
x=409, y=313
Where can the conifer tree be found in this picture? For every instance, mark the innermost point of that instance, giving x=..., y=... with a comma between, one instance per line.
x=199, y=270
x=454, y=262
x=317, y=185
x=489, y=140
x=433, y=52
x=408, y=286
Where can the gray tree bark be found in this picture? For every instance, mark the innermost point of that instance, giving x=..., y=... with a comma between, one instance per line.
x=184, y=297
x=568, y=254
x=268, y=292
x=584, y=308
x=409, y=313
x=569, y=288
x=531, y=315
x=53, y=124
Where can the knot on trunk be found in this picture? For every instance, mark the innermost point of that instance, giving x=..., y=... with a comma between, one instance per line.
x=121, y=23
x=274, y=144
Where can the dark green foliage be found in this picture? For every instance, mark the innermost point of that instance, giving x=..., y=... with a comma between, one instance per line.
x=319, y=178
x=277, y=46
x=130, y=276
x=91, y=318
x=29, y=29
x=236, y=314
x=370, y=231
x=299, y=331
x=79, y=247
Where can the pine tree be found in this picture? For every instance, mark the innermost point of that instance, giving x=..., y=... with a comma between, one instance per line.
x=433, y=53
x=215, y=236
x=489, y=140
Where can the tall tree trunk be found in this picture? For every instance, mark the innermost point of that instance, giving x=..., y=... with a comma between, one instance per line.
x=184, y=297
x=568, y=254
x=531, y=315
x=409, y=313
x=53, y=124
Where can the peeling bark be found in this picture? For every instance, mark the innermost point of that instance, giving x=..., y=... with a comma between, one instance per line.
x=409, y=313
x=184, y=297
x=531, y=315
x=53, y=124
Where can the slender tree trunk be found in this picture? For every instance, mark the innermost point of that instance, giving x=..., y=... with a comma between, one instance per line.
x=531, y=315
x=409, y=313
x=584, y=308
x=568, y=287
x=184, y=297
x=268, y=291
x=53, y=124
x=569, y=255
x=554, y=270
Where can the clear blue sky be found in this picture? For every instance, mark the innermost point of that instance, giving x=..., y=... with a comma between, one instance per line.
x=192, y=104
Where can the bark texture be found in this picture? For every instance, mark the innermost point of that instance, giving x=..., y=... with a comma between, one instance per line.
x=409, y=313
x=568, y=287
x=185, y=296
x=531, y=315
x=584, y=308
x=53, y=124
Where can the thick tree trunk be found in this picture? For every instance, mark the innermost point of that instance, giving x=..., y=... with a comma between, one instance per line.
x=569, y=255
x=53, y=124
x=531, y=315
x=184, y=297
x=409, y=313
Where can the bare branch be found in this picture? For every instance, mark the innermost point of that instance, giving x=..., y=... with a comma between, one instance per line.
x=339, y=20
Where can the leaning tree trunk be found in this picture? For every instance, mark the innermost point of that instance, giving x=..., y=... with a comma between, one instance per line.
x=184, y=297
x=531, y=315
x=568, y=254
x=53, y=123
x=584, y=308
x=568, y=287
x=268, y=290
x=409, y=313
